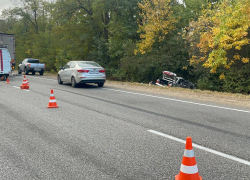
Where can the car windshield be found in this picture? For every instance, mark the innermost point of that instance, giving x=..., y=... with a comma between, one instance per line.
x=33, y=61
x=88, y=64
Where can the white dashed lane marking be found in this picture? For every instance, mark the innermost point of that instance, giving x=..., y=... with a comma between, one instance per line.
x=242, y=161
x=20, y=88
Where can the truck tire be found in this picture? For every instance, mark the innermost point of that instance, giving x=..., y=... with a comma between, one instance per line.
x=41, y=73
x=26, y=71
x=5, y=77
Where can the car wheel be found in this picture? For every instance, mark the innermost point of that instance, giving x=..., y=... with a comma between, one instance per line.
x=73, y=82
x=33, y=72
x=41, y=73
x=26, y=71
x=59, y=79
x=19, y=72
x=100, y=84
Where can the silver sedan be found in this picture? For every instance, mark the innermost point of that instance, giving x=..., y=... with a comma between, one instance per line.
x=81, y=72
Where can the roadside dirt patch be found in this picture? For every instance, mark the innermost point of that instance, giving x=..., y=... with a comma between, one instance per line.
x=195, y=94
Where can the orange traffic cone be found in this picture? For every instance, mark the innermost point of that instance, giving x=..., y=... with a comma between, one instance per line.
x=52, y=100
x=27, y=81
x=189, y=170
x=24, y=85
x=7, y=82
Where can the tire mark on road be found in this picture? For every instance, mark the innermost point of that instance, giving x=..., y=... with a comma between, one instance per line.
x=161, y=115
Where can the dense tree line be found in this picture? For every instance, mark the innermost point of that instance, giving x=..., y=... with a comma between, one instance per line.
x=205, y=41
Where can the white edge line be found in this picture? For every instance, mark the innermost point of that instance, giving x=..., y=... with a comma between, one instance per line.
x=189, y=102
x=220, y=107
x=203, y=148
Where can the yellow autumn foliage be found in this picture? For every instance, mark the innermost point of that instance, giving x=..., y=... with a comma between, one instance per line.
x=245, y=60
x=236, y=57
x=157, y=22
x=222, y=76
x=221, y=30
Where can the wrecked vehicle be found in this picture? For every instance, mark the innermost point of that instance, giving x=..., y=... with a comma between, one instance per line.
x=170, y=79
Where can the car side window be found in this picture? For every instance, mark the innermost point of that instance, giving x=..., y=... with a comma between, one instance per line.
x=181, y=81
x=72, y=65
x=67, y=66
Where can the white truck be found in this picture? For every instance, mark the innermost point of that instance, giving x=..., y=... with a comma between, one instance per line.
x=5, y=66
x=8, y=41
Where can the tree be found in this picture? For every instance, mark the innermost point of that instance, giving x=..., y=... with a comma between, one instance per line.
x=223, y=35
x=157, y=22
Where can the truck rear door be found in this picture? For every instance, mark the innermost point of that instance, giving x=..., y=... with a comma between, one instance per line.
x=35, y=64
x=5, y=59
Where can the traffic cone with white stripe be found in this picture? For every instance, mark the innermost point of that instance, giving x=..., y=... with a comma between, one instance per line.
x=24, y=85
x=189, y=169
x=52, y=100
x=7, y=82
x=27, y=81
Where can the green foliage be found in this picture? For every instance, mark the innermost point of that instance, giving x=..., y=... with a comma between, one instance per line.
x=210, y=82
x=171, y=56
x=193, y=8
x=237, y=79
x=109, y=32
x=61, y=59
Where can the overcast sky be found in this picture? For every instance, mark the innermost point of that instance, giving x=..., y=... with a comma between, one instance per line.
x=5, y=4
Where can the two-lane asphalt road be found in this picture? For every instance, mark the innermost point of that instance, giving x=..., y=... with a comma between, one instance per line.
x=106, y=133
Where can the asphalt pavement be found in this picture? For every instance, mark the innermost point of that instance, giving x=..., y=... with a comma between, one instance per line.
x=107, y=133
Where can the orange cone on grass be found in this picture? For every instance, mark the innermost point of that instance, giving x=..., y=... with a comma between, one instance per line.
x=189, y=170
x=7, y=82
x=24, y=85
x=52, y=100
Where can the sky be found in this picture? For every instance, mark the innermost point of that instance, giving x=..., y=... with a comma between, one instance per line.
x=5, y=4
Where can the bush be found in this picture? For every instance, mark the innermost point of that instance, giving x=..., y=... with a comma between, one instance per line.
x=237, y=82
